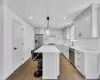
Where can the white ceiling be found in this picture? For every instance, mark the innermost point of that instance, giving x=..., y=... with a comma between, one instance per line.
x=56, y=9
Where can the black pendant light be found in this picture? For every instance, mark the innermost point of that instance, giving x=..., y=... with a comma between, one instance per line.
x=47, y=22
x=47, y=30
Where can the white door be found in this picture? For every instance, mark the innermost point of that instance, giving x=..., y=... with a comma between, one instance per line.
x=17, y=56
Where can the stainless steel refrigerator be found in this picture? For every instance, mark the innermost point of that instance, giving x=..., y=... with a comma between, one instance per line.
x=38, y=40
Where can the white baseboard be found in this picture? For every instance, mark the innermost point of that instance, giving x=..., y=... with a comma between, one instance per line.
x=49, y=77
x=93, y=76
x=16, y=68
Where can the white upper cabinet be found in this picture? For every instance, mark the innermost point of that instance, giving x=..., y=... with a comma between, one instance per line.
x=98, y=21
x=39, y=30
x=71, y=32
x=87, y=23
x=66, y=33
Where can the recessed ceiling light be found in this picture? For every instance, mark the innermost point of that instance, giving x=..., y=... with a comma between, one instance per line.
x=30, y=17
x=64, y=17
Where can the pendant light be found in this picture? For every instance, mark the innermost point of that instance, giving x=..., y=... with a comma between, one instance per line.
x=47, y=30
x=47, y=18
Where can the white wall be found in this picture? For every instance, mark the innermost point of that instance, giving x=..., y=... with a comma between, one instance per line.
x=1, y=37
x=28, y=40
x=7, y=56
x=58, y=33
x=86, y=44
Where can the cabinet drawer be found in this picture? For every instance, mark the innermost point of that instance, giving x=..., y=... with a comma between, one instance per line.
x=81, y=54
x=79, y=68
x=80, y=65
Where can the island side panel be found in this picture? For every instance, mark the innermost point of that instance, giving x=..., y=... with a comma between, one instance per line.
x=50, y=63
x=58, y=64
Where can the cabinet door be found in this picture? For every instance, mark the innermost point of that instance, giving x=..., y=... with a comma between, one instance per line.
x=80, y=62
x=61, y=48
x=67, y=53
x=83, y=25
x=80, y=65
x=98, y=22
x=68, y=36
x=64, y=51
x=65, y=33
x=92, y=62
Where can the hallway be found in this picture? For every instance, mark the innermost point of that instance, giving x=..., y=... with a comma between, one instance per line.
x=25, y=72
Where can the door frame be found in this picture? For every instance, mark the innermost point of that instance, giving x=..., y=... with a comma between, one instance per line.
x=21, y=25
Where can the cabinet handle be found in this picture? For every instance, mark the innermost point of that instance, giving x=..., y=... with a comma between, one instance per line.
x=78, y=66
x=15, y=48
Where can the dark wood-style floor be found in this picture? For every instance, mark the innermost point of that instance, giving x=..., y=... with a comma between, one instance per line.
x=25, y=72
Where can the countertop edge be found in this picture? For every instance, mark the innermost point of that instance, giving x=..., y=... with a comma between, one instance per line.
x=85, y=51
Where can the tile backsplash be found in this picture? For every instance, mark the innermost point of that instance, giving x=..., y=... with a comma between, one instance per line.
x=86, y=44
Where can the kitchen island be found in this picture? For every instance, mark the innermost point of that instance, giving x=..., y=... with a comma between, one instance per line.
x=51, y=61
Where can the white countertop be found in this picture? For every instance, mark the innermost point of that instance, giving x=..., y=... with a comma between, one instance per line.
x=86, y=50
x=83, y=50
x=48, y=48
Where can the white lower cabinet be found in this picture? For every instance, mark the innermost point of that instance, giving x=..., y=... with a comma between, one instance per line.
x=80, y=65
x=59, y=47
x=64, y=50
x=87, y=64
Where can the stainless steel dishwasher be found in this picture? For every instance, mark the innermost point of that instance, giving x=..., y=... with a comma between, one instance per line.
x=72, y=56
